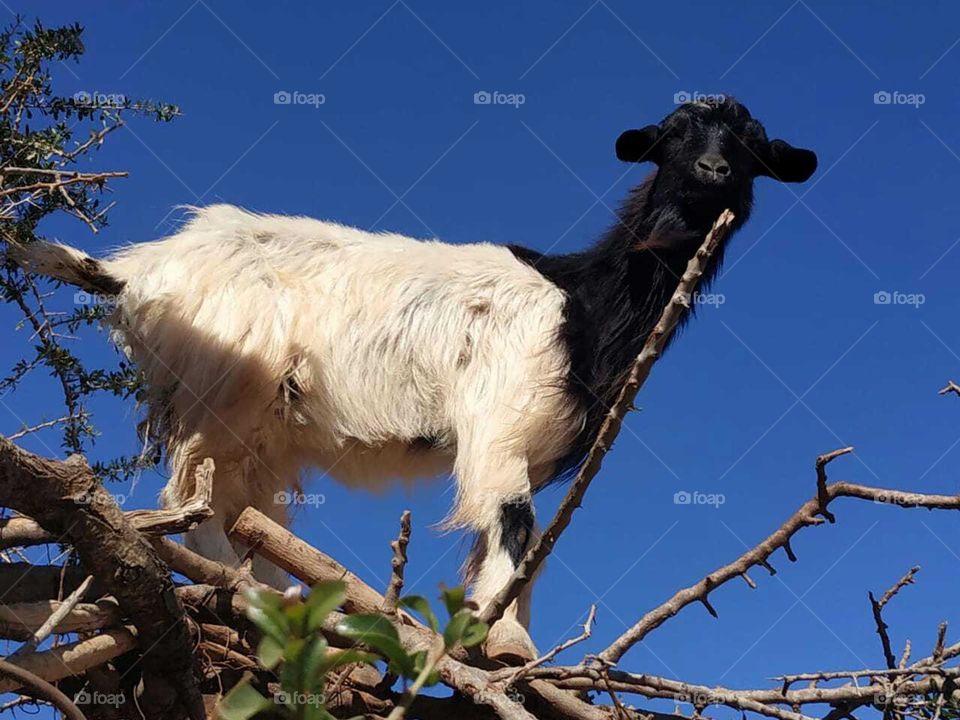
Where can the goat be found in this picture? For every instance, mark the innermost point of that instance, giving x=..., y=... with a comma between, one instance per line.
x=274, y=344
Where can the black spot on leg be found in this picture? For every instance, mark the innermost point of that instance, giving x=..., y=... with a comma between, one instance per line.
x=516, y=528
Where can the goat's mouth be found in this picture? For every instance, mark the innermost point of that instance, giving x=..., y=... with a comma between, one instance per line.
x=713, y=180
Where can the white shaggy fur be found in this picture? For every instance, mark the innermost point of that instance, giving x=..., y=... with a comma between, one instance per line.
x=274, y=344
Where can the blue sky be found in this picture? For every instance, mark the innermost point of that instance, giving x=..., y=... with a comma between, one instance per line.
x=798, y=359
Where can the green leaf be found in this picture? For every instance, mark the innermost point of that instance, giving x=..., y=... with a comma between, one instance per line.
x=312, y=660
x=271, y=621
x=270, y=652
x=454, y=599
x=453, y=633
x=475, y=633
x=420, y=606
x=242, y=703
x=324, y=599
x=380, y=634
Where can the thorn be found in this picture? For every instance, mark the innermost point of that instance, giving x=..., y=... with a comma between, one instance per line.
x=749, y=581
x=709, y=607
x=791, y=556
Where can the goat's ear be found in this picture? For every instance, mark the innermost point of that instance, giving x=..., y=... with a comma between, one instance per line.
x=786, y=163
x=638, y=145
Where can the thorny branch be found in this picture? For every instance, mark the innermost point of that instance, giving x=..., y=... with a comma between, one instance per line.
x=810, y=514
x=877, y=607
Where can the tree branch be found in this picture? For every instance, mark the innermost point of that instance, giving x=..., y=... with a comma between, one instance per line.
x=397, y=564
x=877, y=607
x=67, y=500
x=806, y=516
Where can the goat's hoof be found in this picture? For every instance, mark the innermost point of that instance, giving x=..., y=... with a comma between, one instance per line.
x=509, y=643
x=511, y=653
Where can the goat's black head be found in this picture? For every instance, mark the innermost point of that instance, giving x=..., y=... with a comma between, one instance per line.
x=708, y=154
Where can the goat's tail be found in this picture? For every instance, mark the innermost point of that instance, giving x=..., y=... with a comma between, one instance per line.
x=67, y=264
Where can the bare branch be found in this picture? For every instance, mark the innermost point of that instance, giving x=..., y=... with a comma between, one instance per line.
x=303, y=561
x=514, y=675
x=64, y=609
x=878, y=605
x=186, y=517
x=22, y=531
x=397, y=564
x=806, y=516
x=951, y=387
x=74, y=658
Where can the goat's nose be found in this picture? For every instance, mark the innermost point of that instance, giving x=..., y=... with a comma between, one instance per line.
x=713, y=164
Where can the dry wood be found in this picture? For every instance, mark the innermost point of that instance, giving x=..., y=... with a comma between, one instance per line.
x=304, y=562
x=23, y=531
x=678, y=306
x=186, y=517
x=66, y=499
x=50, y=624
x=74, y=658
x=397, y=564
x=19, y=621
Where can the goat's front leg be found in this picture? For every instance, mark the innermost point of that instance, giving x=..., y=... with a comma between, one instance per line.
x=494, y=500
x=499, y=550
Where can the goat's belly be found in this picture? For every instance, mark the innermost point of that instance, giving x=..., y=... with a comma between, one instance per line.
x=378, y=468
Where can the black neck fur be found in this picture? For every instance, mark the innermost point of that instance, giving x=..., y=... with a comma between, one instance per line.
x=618, y=288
